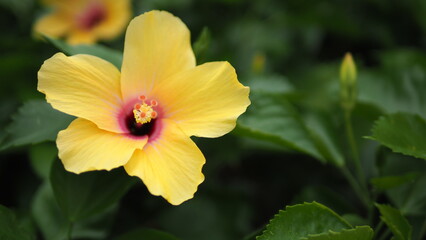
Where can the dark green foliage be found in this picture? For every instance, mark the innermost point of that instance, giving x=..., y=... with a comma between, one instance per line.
x=146, y=234
x=113, y=56
x=364, y=232
x=35, y=122
x=302, y=220
x=397, y=223
x=81, y=196
x=291, y=146
x=11, y=228
x=273, y=118
x=403, y=133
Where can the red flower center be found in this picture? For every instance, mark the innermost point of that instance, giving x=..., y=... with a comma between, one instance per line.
x=138, y=129
x=141, y=117
x=141, y=121
x=94, y=14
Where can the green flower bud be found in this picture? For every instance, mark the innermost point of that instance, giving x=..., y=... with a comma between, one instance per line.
x=348, y=90
x=258, y=63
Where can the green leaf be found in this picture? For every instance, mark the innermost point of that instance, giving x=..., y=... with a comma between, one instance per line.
x=324, y=195
x=22, y=9
x=144, y=233
x=403, y=133
x=81, y=196
x=325, y=137
x=223, y=215
x=202, y=44
x=36, y=121
x=7, y=108
x=270, y=84
x=272, y=118
x=410, y=198
x=388, y=182
x=113, y=56
x=399, y=85
x=47, y=215
x=301, y=220
x=318, y=88
x=10, y=227
x=358, y=233
x=354, y=219
x=397, y=223
x=55, y=226
x=42, y=157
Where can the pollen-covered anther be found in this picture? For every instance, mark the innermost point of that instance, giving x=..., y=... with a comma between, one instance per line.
x=144, y=112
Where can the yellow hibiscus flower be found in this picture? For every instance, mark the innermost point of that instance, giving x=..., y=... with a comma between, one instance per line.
x=84, y=21
x=143, y=117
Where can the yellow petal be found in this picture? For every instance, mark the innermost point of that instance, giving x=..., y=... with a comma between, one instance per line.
x=205, y=101
x=81, y=37
x=85, y=147
x=169, y=166
x=84, y=86
x=53, y=25
x=157, y=45
x=117, y=16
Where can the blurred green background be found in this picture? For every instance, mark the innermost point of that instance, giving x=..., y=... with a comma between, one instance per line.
x=292, y=47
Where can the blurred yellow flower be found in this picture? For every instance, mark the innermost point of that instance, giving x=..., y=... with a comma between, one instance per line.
x=143, y=117
x=84, y=21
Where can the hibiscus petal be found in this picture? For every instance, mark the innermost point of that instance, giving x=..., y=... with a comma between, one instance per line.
x=170, y=165
x=205, y=101
x=53, y=25
x=84, y=147
x=117, y=16
x=157, y=45
x=84, y=86
x=77, y=36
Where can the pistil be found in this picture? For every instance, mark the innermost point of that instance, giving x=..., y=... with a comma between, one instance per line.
x=144, y=111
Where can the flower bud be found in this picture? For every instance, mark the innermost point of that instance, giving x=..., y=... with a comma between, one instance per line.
x=258, y=63
x=348, y=89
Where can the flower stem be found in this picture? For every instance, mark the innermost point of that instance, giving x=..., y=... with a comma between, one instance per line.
x=358, y=184
x=385, y=235
x=423, y=230
x=70, y=228
x=362, y=194
x=352, y=143
x=378, y=228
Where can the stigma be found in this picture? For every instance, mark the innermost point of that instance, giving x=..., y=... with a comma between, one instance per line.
x=144, y=111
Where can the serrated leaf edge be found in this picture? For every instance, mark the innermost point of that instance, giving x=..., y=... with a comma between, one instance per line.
x=384, y=117
x=296, y=206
